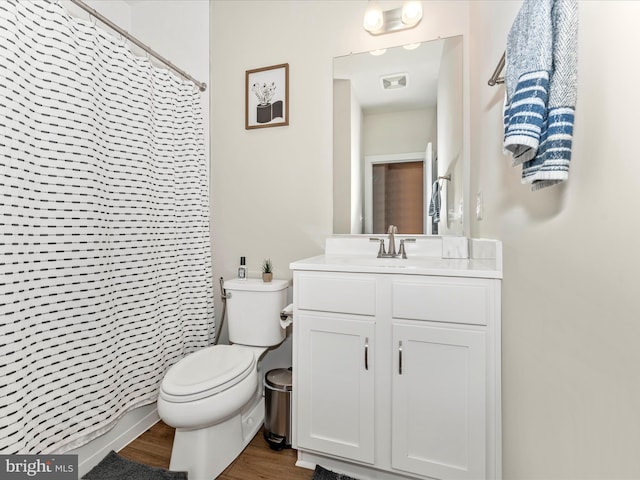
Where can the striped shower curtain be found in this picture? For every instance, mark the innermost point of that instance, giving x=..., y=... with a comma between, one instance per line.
x=105, y=264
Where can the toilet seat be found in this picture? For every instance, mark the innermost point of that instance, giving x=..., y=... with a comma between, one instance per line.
x=206, y=372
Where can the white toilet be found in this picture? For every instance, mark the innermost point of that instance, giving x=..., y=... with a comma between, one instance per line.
x=213, y=397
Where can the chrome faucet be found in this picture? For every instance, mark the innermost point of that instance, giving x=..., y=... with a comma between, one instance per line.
x=391, y=252
x=392, y=240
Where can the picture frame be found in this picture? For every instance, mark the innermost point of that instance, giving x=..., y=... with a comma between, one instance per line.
x=267, y=97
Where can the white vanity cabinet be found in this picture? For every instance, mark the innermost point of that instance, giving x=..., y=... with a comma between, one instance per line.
x=438, y=402
x=442, y=328
x=396, y=375
x=336, y=388
x=335, y=342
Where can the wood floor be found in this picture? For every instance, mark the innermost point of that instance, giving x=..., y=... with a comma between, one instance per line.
x=257, y=461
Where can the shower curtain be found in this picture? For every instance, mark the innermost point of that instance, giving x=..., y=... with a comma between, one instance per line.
x=105, y=263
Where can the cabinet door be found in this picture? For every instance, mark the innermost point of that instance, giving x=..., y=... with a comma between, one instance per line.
x=335, y=392
x=438, y=409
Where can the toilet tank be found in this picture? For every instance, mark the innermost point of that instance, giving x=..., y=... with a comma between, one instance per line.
x=253, y=311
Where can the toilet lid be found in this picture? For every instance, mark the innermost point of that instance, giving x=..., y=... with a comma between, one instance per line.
x=206, y=372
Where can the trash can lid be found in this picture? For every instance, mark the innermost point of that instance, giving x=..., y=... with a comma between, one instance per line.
x=280, y=379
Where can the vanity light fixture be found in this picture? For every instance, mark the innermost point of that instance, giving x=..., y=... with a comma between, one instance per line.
x=378, y=21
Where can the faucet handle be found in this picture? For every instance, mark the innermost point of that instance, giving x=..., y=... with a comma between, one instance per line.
x=381, y=252
x=402, y=252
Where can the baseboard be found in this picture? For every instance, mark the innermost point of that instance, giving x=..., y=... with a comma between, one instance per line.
x=128, y=428
x=305, y=464
x=309, y=460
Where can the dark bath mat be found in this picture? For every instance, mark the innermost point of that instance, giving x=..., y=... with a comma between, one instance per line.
x=115, y=467
x=324, y=474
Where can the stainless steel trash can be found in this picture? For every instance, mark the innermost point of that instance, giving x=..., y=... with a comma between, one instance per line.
x=277, y=415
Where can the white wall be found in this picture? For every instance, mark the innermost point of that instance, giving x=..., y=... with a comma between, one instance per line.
x=571, y=317
x=343, y=104
x=399, y=132
x=347, y=159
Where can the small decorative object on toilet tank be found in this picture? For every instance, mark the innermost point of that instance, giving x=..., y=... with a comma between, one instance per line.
x=242, y=269
x=267, y=270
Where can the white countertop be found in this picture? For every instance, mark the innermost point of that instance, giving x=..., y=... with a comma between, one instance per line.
x=416, y=265
x=427, y=255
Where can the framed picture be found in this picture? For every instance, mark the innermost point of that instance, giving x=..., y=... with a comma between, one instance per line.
x=267, y=97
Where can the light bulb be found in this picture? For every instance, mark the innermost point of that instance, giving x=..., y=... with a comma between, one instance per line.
x=411, y=13
x=411, y=46
x=373, y=18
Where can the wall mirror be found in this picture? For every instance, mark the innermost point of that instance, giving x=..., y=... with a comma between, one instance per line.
x=398, y=140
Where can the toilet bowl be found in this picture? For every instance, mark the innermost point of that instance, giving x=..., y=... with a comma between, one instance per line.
x=209, y=385
x=213, y=397
x=215, y=413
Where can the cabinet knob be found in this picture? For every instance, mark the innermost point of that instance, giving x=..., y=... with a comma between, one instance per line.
x=400, y=357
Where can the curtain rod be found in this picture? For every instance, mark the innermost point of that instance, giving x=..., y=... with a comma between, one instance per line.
x=201, y=85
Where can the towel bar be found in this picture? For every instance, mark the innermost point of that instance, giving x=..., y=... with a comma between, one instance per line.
x=496, y=78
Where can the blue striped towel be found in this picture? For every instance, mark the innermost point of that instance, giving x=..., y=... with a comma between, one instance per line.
x=541, y=88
